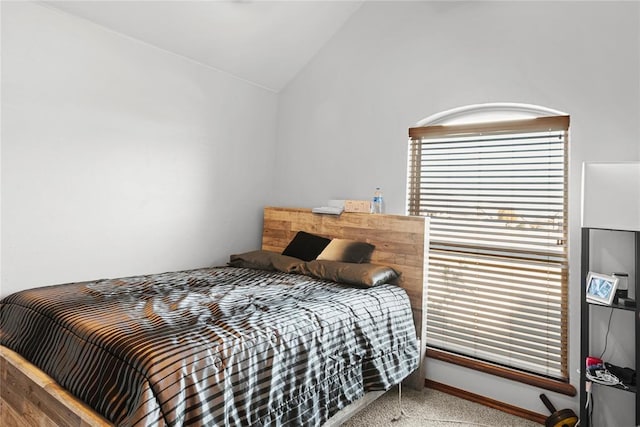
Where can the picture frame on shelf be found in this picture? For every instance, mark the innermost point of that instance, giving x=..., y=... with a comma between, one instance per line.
x=601, y=288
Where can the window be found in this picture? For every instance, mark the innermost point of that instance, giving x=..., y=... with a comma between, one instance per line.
x=496, y=193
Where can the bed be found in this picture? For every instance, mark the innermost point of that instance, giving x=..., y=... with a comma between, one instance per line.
x=262, y=373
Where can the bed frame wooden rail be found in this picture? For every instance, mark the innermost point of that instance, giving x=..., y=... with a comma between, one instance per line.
x=29, y=397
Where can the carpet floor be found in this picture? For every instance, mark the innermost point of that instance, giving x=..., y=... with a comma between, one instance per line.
x=431, y=408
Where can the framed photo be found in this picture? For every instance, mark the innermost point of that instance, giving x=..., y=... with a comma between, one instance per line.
x=601, y=288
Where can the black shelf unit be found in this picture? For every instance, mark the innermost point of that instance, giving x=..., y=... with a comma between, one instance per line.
x=584, y=320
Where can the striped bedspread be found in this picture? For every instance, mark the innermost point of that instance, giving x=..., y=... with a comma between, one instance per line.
x=220, y=346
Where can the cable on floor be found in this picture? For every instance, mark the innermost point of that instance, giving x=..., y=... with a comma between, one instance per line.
x=403, y=415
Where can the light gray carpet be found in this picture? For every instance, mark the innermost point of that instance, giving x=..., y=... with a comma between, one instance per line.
x=431, y=408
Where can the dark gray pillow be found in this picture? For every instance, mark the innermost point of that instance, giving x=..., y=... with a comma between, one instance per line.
x=266, y=260
x=363, y=274
x=306, y=246
x=347, y=251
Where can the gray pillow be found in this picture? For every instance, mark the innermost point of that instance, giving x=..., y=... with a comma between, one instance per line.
x=362, y=274
x=266, y=260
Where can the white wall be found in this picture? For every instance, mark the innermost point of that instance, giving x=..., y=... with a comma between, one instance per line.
x=342, y=123
x=119, y=158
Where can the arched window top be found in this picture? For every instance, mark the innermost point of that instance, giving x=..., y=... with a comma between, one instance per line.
x=489, y=112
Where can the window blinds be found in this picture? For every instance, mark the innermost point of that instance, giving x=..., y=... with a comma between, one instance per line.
x=496, y=194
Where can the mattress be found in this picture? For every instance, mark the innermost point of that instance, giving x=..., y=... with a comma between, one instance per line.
x=218, y=346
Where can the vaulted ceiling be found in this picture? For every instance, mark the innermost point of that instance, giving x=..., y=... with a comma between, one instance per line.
x=264, y=42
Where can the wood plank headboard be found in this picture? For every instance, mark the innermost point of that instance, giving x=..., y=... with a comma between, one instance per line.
x=401, y=243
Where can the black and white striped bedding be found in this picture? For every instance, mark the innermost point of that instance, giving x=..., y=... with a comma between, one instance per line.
x=220, y=346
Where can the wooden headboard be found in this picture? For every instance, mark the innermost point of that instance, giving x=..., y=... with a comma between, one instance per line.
x=401, y=243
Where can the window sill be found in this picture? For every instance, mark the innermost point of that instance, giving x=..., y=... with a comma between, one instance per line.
x=534, y=380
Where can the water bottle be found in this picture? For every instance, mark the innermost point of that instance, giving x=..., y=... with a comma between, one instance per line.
x=376, y=206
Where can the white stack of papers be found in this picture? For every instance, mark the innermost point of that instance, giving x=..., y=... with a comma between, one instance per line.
x=330, y=210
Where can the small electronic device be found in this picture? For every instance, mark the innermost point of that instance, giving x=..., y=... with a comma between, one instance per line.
x=627, y=302
x=601, y=288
